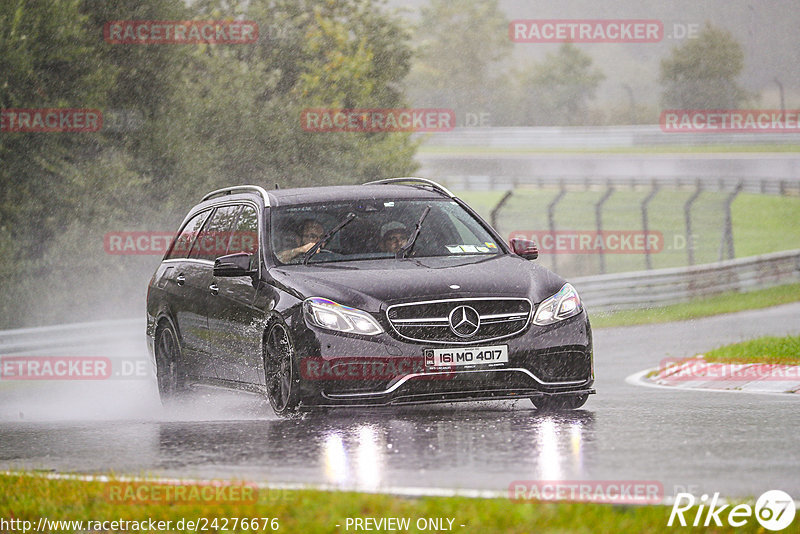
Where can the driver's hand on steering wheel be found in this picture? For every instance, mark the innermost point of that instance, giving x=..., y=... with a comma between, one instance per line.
x=288, y=255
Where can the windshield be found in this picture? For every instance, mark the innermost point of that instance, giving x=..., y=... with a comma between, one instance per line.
x=380, y=228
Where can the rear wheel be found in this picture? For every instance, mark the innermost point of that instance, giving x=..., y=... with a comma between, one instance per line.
x=559, y=403
x=279, y=367
x=168, y=351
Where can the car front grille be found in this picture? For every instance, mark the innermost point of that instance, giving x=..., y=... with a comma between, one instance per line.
x=430, y=321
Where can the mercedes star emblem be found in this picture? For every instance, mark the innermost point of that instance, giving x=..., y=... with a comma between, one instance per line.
x=464, y=321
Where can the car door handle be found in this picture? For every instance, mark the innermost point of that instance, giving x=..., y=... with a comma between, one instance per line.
x=180, y=279
x=214, y=289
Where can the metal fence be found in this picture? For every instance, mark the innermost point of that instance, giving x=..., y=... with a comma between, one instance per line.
x=768, y=185
x=598, y=226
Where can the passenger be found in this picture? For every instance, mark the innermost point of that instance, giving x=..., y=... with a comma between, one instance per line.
x=311, y=232
x=393, y=236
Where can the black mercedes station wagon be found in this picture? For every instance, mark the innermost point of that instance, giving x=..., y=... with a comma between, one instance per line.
x=392, y=292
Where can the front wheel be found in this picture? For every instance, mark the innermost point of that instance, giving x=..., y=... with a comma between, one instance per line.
x=279, y=367
x=559, y=403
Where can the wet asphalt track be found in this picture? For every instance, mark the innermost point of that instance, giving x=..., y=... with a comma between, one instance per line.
x=737, y=444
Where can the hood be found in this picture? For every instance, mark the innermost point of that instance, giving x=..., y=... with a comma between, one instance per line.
x=370, y=284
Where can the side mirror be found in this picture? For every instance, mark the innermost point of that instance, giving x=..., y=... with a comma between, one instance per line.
x=524, y=248
x=233, y=265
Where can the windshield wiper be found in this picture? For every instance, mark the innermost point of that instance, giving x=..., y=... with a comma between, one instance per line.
x=318, y=244
x=405, y=249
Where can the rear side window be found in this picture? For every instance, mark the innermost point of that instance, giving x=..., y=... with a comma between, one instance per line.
x=213, y=239
x=245, y=235
x=185, y=239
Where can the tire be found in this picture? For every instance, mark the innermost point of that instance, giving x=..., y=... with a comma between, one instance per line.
x=559, y=403
x=168, y=354
x=279, y=368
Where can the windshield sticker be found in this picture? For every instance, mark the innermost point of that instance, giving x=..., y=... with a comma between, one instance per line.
x=490, y=245
x=467, y=249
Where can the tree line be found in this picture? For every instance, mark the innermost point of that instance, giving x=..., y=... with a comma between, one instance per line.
x=180, y=120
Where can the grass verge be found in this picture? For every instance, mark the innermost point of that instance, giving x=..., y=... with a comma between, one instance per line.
x=724, y=303
x=311, y=511
x=768, y=349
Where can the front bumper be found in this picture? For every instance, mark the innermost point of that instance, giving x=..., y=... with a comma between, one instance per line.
x=542, y=361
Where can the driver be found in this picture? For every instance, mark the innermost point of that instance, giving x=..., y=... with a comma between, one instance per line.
x=310, y=232
x=393, y=236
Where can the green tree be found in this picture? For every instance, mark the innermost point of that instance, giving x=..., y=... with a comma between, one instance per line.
x=556, y=91
x=47, y=59
x=240, y=107
x=213, y=115
x=462, y=44
x=701, y=74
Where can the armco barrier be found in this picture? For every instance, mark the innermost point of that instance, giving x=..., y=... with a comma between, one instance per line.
x=643, y=289
x=587, y=137
x=68, y=335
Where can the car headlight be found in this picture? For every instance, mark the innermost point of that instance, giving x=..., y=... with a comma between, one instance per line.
x=325, y=313
x=563, y=304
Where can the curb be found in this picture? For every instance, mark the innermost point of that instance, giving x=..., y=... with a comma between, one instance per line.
x=697, y=373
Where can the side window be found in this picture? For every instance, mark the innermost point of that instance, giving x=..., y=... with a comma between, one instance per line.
x=213, y=239
x=245, y=236
x=184, y=240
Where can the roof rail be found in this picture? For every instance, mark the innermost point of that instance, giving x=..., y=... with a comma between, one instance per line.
x=237, y=189
x=412, y=180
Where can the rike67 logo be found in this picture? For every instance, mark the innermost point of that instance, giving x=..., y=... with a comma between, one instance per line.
x=774, y=510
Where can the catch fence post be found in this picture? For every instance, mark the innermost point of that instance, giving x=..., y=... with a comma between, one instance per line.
x=598, y=218
x=687, y=217
x=645, y=225
x=551, y=220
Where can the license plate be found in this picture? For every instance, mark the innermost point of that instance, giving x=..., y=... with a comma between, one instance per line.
x=465, y=356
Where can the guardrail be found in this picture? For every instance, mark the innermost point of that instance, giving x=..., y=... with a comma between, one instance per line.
x=611, y=292
x=659, y=287
x=565, y=137
x=68, y=335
